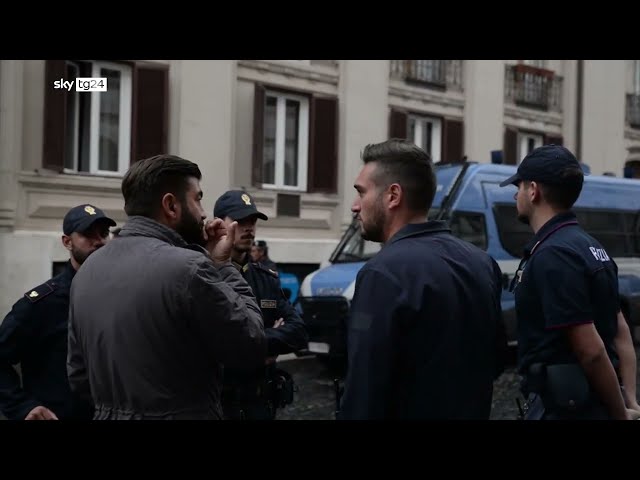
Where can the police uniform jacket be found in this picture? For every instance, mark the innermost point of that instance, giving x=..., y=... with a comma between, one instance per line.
x=566, y=278
x=425, y=338
x=34, y=335
x=287, y=338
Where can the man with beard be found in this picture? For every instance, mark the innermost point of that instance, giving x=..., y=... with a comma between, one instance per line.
x=34, y=333
x=156, y=313
x=256, y=394
x=425, y=337
x=573, y=342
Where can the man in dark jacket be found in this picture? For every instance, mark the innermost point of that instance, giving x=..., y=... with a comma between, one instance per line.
x=154, y=315
x=34, y=333
x=425, y=332
x=257, y=393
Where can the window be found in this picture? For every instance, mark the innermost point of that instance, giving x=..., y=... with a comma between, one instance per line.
x=98, y=124
x=470, y=227
x=613, y=229
x=286, y=141
x=426, y=132
x=514, y=235
x=526, y=143
x=104, y=132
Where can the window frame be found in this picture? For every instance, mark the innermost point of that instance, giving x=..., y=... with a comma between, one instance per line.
x=436, y=134
x=124, y=127
x=280, y=138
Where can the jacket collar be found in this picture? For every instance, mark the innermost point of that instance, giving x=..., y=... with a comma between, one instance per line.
x=415, y=229
x=560, y=220
x=138, y=226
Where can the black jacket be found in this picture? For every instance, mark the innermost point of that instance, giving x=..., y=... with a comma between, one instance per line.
x=34, y=335
x=289, y=337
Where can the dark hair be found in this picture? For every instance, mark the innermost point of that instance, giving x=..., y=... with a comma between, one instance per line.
x=148, y=180
x=400, y=161
x=565, y=193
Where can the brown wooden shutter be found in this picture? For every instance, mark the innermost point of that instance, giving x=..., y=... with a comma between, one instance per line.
x=323, y=145
x=453, y=141
x=258, y=134
x=553, y=138
x=55, y=116
x=397, y=124
x=510, y=146
x=150, y=110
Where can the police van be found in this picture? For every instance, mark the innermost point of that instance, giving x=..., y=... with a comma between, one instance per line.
x=478, y=210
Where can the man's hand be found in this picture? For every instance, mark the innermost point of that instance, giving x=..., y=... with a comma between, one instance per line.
x=633, y=414
x=272, y=360
x=41, y=413
x=219, y=239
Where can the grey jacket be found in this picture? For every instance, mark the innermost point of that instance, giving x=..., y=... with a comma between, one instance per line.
x=152, y=320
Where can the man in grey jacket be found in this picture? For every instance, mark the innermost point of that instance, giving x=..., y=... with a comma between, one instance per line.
x=156, y=313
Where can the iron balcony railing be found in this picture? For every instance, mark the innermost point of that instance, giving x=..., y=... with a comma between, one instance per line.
x=633, y=110
x=533, y=87
x=438, y=74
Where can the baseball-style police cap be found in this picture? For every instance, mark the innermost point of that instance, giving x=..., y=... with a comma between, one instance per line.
x=80, y=218
x=544, y=164
x=236, y=204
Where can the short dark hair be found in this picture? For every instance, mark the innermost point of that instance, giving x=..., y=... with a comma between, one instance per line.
x=563, y=194
x=401, y=161
x=148, y=180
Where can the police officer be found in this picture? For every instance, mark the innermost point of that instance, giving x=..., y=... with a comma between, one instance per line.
x=260, y=254
x=255, y=395
x=566, y=292
x=34, y=333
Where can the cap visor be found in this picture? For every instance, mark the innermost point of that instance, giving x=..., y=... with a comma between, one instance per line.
x=512, y=180
x=86, y=225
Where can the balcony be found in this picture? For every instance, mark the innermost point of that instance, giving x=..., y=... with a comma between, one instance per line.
x=533, y=87
x=633, y=110
x=436, y=74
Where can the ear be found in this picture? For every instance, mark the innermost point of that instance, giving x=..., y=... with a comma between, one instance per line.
x=534, y=192
x=66, y=241
x=394, y=195
x=170, y=206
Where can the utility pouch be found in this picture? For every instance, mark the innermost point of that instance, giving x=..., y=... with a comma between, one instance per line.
x=567, y=387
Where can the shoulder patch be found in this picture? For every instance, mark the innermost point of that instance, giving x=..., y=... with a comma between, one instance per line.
x=40, y=292
x=264, y=269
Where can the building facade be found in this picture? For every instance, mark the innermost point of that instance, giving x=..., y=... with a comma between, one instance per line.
x=290, y=132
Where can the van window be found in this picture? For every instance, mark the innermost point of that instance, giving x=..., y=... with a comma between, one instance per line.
x=514, y=235
x=469, y=226
x=614, y=229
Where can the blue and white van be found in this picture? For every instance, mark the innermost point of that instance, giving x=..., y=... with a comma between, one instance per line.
x=480, y=211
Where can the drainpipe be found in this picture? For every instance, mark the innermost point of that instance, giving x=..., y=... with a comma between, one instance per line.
x=579, y=97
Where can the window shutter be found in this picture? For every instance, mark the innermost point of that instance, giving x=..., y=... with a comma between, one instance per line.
x=323, y=147
x=258, y=134
x=150, y=110
x=510, y=146
x=553, y=139
x=55, y=116
x=397, y=124
x=453, y=138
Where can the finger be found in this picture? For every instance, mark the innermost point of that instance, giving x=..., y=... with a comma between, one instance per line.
x=231, y=231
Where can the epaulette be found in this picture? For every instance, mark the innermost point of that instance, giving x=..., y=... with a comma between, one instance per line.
x=262, y=268
x=40, y=291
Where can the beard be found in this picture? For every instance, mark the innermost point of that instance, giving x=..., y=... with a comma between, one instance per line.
x=80, y=256
x=373, y=229
x=190, y=228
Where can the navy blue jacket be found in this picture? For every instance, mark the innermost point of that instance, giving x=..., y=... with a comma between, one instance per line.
x=287, y=338
x=34, y=335
x=425, y=332
x=566, y=278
